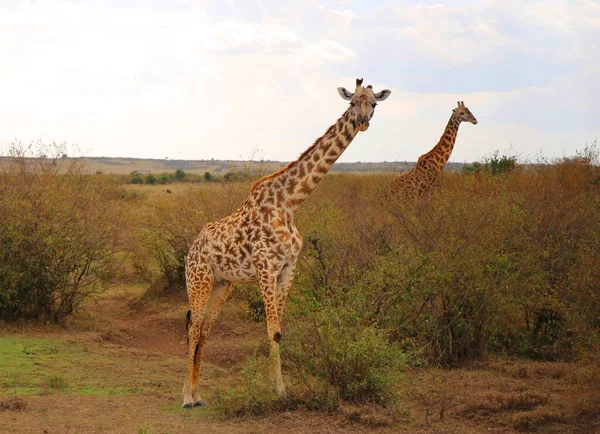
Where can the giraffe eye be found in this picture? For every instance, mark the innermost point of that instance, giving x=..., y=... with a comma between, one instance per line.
x=352, y=103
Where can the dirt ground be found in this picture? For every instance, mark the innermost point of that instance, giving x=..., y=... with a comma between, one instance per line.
x=119, y=368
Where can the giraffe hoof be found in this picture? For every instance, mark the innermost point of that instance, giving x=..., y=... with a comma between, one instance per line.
x=187, y=405
x=199, y=404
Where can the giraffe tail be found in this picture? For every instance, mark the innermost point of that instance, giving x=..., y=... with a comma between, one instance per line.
x=188, y=318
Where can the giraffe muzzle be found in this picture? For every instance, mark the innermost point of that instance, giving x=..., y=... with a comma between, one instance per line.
x=363, y=126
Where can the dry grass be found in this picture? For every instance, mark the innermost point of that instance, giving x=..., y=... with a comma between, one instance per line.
x=124, y=374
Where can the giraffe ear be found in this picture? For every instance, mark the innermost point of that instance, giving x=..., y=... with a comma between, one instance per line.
x=344, y=93
x=380, y=96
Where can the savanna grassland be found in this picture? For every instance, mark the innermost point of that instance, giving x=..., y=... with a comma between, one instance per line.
x=475, y=309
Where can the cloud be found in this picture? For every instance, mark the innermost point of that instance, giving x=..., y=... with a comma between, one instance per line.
x=201, y=79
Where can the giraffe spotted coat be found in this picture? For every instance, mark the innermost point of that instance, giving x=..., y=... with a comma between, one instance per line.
x=427, y=172
x=260, y=241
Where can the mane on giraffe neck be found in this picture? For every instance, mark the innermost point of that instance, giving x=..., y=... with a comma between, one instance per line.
x=442, y=151
x=301, y=177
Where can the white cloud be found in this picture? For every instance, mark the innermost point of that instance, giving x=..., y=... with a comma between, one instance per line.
x=173, y=81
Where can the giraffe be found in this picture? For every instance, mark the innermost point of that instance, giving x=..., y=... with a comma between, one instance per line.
x=428, y=170
x=260, y=241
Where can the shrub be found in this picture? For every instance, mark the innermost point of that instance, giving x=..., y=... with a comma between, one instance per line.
x=165, y=178
x=59, y=231
x=179, y=175
x=136, y=177
x=494, y=165
x=150, y=179
x=504, y=263
x=354, y=358
x=255, y=396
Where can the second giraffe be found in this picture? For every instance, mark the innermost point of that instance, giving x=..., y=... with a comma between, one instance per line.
x=427, y=171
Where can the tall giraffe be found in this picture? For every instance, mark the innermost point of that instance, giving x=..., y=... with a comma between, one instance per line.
x=428, y=170
x=260, y=241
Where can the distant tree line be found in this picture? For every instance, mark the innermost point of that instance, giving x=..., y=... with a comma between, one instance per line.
x=137, y=177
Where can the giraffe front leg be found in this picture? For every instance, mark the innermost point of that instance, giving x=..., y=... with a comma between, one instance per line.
x=268, y=286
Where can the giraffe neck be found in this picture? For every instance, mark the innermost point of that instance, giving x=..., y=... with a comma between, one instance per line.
x=441, y=152
x=301, y=177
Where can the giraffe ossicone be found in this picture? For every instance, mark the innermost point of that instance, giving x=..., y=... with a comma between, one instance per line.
x=427, y=171
x=260, y=241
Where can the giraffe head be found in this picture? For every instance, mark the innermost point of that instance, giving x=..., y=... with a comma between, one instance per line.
x=363, y=102
x=464, y=114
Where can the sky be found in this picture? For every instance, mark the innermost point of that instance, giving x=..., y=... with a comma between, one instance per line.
x=257, y=79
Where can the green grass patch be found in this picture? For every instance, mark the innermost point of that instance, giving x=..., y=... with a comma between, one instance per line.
x=35, y=366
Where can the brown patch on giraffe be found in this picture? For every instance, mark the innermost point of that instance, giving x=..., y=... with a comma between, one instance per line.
x=347, y=134
x=291, y=186
x=294, y=202
x=304, y=187
x=322, y=169
x=301, y=170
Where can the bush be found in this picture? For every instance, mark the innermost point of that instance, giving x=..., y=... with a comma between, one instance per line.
x=59, y=231
x=494, y=165
x=136, y=177
x=256, y=396
x=179, y=175
x=354, y=358
x=504, y=263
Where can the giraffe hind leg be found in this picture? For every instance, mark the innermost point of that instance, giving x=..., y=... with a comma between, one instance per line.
x=219, y=293
x=200, y=281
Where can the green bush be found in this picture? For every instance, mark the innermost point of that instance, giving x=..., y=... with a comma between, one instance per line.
x=59, y=232
x=136, y=177
x=356, y=359
x=255, y=396
x=180, y=175
x=494, y=165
